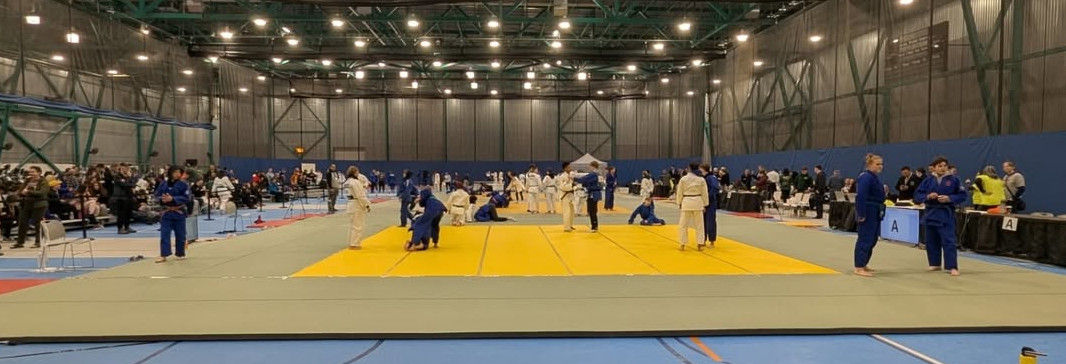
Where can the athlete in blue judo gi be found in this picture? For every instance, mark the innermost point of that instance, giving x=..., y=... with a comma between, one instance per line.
x=610, y=182
x=173, y=195
x=487, y=213
x=710, y=213
x=591, y=183
x=427, y=226
x=499, y=198
x=646, y=211
x=869, y=210
x=941, y=193
x=406, y=192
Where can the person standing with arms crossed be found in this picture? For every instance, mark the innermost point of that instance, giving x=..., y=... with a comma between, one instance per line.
x=692, y=197
x=941, y=193
x=333, y=184
x=869, y=210
x=34, y=196
x=358, y=207
x=173, y=195
x=121, y=198
x=591, y=183
x=566, y=187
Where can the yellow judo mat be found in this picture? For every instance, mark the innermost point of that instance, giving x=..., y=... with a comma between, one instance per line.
x=548, y=251
x=519, y=207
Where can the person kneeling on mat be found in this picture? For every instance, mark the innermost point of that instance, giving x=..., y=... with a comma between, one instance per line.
x=427, y=226
x=487, y=213
x=646, y=211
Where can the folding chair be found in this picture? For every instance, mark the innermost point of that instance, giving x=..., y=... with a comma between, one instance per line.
x=55, y=234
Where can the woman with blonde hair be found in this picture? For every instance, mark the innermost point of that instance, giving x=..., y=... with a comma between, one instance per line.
x=869, y=210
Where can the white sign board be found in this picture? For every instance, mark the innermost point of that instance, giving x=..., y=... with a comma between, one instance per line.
x=1010, y=223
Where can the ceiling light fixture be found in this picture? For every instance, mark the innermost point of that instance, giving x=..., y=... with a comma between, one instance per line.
x=658, y=46
x=142, y=57
x=424, y=44
x=414, y=84
x=339, y=90
x=473, y=85
x=187, y=72
x=716, y=81
x=495, y=64
x=259, y=22
x=403, y=74
x=293, y=41
x=564, y=24
x=327, y=62
x=906, y=2
x=557, y=44
x=437, y=63
x=336, y=23
x=494, y=44
x=690, y=93
x=815, y=38
x=33, y=19
x=73, y=38
x=292, y=90
x=494, y=23
x=212, y=59
x=277, y=59
x=632, y=67
x=697, y=62
x=547, y=65
x=895, y=40
x=664, y=80
x=447, y=91
x=181, y=89
x=226, y=34
x=360, y=43
x=412, y=23
x=527, y=85
x=360, y=75
x=57, y=58
x=582, y=76
x=243, y=89
x=742, y=37
x=145, y=31
x=531, y=75
x=758, y=63
x=112, y=72
x=261, y=78
x=381, y=64
x=559, y=63
x=684, y=26
x=470, y=74
x=493, y=92
x=555, y=33
x=599, y=92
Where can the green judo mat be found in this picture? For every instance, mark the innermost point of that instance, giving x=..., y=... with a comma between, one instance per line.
x=241, y=288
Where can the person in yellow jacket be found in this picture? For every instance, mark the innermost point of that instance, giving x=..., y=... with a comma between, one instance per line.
x=988, y=190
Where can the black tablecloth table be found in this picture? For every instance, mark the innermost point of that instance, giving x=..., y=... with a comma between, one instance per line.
x=661, y=191
x=842, y=216
x=740, y=201
x=634, y=188
x=1038, y=239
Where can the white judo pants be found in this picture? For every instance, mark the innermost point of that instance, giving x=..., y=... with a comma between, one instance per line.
x=568, y=211
x=532, y=200
x=355, y=234
x=691, y=218
x=458, y=215
x=549, y=198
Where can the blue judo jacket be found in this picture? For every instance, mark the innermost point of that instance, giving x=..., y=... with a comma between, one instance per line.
x=940, y=213
x=422, y=228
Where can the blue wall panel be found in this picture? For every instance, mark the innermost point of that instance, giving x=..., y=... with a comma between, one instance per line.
x=1034, y=154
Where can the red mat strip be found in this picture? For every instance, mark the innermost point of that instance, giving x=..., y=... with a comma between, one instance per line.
x=12, y=285
x=755, y=215
x=283, y=222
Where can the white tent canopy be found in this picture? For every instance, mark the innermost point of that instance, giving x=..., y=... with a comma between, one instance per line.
x=582, y=164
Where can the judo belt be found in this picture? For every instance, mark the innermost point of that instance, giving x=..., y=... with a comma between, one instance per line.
x=691, y=195
x=458, y=206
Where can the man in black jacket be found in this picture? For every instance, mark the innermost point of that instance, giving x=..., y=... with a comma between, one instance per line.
x=820, y=189
x=122, y=197
x=906, y=184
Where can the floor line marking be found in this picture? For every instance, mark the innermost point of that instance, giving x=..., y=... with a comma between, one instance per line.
x=484, y=252
x=706, y=350
x=705, y=252
x=156, y=353
x=905, y=349
x=365, y=352
x=631, y=253
x=557, y=255
x=673, y=352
